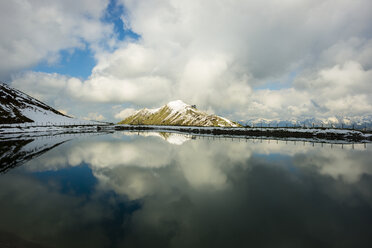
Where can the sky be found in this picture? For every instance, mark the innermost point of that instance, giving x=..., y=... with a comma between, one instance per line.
x=272, y=59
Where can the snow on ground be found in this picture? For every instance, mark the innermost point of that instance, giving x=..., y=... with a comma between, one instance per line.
x=152, y=111
x=50, y=129
x=228, y=121
x=39, y=115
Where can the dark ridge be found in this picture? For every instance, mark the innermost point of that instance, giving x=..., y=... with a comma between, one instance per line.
x=12, y=101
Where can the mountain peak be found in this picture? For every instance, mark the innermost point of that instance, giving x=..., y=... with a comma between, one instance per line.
x=177, y=105
x=177, y=113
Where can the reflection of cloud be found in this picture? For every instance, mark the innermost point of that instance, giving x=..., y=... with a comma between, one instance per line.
x=133, y=182
x=346, y=166
x=268, y=200
x=129, y=164
x=106, y=154
x=177, y=139
x=243, y=192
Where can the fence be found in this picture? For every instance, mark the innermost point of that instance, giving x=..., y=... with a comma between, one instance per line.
x=49, y=124
x=362, y=127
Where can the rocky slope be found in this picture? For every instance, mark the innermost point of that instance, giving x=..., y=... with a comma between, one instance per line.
x=18, y=107
x=177, y=113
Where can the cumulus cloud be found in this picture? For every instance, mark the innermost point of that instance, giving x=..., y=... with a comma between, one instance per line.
x=95, y=117
x=63, y=111
x=125, y=113
x=221, y=56
x=34, y=31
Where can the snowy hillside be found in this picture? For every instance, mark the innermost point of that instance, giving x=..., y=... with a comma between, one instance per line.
x=18, y=107
x=177, y=113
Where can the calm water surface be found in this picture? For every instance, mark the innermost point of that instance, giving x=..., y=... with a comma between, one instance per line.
x=169, y=190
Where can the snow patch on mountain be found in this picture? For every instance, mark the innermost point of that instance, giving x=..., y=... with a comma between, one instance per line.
x=18, y=107
x=178, y=106
x=177, y=113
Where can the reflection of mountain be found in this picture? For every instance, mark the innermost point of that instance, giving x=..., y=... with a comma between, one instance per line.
x=175, y=138
x=16, y=152
x=171, y=138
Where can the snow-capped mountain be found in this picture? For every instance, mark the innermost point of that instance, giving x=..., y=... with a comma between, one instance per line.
x=177, y=113
x=18, y=107
x=358, y=122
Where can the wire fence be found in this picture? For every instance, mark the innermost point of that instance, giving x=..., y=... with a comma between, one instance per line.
x=355, y=126
x=50, y=124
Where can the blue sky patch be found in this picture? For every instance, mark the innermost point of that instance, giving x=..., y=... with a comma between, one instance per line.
x=278, y=85
x=80, y=62
x=76, y=63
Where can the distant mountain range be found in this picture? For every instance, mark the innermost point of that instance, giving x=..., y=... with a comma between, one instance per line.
x=177, y=113
x=18, y=107
x=359, y=122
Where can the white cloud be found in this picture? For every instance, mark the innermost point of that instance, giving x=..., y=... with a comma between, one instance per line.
x=43, y=86
x=215, y=55
x=94, y=117
x=63, y=111
x=125, y=113
x=33, y=31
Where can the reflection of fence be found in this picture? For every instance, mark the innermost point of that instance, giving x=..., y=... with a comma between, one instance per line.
x=297, y=142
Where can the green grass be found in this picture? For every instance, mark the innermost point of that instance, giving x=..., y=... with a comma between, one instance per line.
x=162, y=117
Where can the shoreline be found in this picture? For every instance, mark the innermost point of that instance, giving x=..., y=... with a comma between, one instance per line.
x=319, y=134
x=316, y=134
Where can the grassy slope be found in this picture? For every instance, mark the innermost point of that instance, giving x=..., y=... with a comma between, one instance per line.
x=164, y=116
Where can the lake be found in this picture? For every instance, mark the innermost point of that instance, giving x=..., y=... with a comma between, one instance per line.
x=132, y=189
